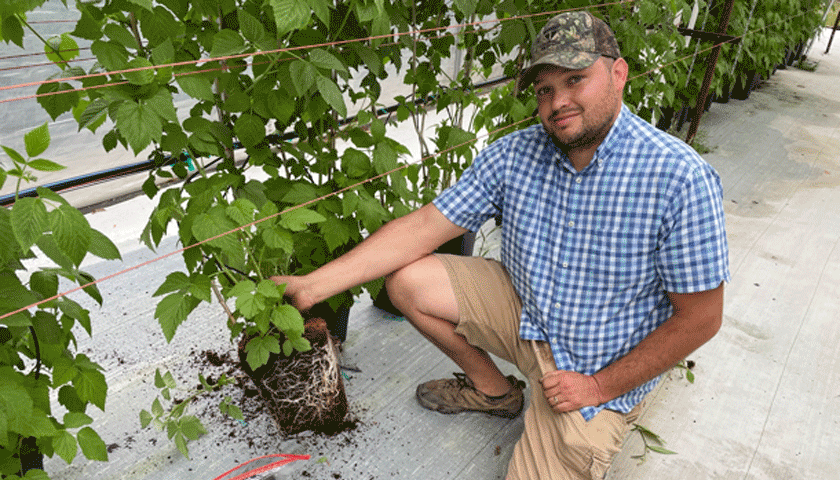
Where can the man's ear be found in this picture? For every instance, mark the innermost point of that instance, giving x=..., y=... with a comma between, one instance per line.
x=620, y=70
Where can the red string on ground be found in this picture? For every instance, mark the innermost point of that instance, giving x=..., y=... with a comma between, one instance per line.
x=287, y=458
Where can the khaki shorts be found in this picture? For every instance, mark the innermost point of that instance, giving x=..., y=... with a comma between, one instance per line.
x=553, y=446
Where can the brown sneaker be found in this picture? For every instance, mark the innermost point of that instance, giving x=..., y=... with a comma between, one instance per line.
x=454, y=395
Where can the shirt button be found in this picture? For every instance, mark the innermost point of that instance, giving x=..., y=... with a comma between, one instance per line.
x=571, y=224
x=578, y=180
x=557, y=305
x=565, y=264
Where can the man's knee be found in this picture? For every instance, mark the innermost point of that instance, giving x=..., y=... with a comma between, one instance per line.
x=403, y=284
x=422, y=286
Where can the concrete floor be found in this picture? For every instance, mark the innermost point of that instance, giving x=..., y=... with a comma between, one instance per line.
x=765, y=403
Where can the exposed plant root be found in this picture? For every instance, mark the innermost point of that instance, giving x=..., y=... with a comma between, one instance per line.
x=305, y=391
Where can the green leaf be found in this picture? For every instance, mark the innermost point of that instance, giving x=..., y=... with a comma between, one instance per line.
x=191, y=427
x=71, y=231
x=252, y=28
x=162, y=104
x=336, y=232
x=54, y=102
x=181, y=443
x=321, y=8
x=110, y=55
x=61, y=49
x=300, y=344
x=175, y=282
x=145, y=418
x=241, y=288
x=196, y=85
x=50, y=195
x=172, y=310
x=369, y=56
x=296, y=220
x=268, y=289
x=207, y=226
x=139, y=125
x=145, y=4
x=37, y=140
x=144, y=76
x=92, y=446
x=249, y=304
x=76, y=312
x=227, y=42
x=324, y=59
x=102, y=246
x=330, y=92
x=11, y=30
x=119, y=33
x=64, y=371
x=467, y=7
x=241, y=211
x=250, y=130
x=76, y=420
x=259, y=349
x=384, y=158
x=68, y=397
x=29, y=221
x=289, y=15
x=288, y=319
x=47, y=328
x=44, y=282
x=44, y=165
x=164, y=52
x=278, y=237
x=14, y=155
x=303, y=76
x=91, y=387
x=65, y=446
x=157, y=408
x=661, y=450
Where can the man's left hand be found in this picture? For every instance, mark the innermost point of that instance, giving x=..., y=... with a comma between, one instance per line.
x=566, y=391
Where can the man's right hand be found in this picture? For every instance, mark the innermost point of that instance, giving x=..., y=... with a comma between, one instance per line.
x=295, y=291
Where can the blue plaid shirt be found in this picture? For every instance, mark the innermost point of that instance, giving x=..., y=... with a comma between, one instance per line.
x=593, y=253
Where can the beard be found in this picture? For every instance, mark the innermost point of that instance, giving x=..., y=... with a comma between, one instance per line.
x=591, y=132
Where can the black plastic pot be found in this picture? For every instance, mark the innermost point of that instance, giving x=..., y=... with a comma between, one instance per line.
x=744, y=85
x=462, y=245
x=726, y=94
x=31, y=457
x=667, y=118
x=336, y=320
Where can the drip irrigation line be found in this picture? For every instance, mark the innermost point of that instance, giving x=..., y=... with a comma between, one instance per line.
x=288, y=49
x=256, y=222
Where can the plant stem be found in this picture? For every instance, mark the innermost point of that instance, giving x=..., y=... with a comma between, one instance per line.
x=42, y=39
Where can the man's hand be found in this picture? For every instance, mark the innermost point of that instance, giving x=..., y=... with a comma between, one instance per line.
x=567, y=391
x=295, y=291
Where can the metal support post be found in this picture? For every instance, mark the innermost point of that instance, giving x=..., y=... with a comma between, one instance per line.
x=710, y=72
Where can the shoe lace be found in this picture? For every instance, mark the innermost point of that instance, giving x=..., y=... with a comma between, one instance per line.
x=463, y=381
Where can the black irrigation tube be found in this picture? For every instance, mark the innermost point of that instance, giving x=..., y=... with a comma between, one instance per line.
x=113, y=173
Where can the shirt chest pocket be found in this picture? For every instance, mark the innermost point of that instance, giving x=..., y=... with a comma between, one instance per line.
x=618, y=258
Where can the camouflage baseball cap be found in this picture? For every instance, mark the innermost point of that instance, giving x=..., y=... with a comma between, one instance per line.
x=572, y=40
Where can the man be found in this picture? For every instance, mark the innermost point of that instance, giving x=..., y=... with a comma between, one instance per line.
x=613, y=261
